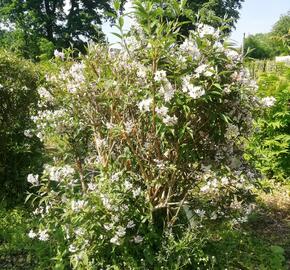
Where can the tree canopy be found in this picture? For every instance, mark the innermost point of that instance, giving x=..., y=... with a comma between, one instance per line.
x=212, y=12
x=34, y=28
x=39, y=24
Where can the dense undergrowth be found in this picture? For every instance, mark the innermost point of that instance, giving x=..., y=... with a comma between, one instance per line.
x=262, y=243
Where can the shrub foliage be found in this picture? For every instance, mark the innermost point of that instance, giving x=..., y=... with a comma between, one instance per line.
x=147, y=145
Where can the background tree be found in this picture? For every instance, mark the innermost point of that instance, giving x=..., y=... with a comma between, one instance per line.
x=259, y=46
x=282, y=26
x=269, y=45
x=61, y=23
x=281, y=33
x=212, y=12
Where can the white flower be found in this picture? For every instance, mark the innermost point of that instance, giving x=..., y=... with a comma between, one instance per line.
x=225, y=180
x=33, y=179
x=159, y=163
x=170, y=120
x=208, y=73
x=38, y=211
x=130, y=224
x=43, y=235
x=167, y=91
x=72, y=248
x=40, y=136
x=76, y=73
x=115, y=177
x=79, y=232
x=144, y=105
x=219, y=46
x=205, y=189
x=203, y=69
x=55, y=173
x=106, y=202
x=196, y=92
x=58, y=54
x=115, y=240
x=186, y=83
x=78, y=205
x=32, y=234
x=268, y=101
x=133, y=43
x=181, y=59
x=200, y=213
x=136, y=192
x=127, y=185
x=110, y=125
x=213, y=216
x=138, y=239
x=162, y=111
x=43, y=93
x=214, y=183
x=207, y=30
x=160, y=75
x=232, y=54
x=190, y=47
x=125, y=208
x=67, y=170
x=92, y=186
x=108, y=226
x=116, y=218
x=193, y=91
x=129, y=126
x=28, y=133
x=121, y=231
x=141, y=73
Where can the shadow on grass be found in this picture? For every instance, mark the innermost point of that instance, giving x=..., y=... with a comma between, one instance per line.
x=271, y=219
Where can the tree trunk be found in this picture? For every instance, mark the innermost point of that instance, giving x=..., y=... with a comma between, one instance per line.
x=49, y=19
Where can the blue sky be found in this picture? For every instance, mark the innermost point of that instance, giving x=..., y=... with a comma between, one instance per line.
x=256, y=16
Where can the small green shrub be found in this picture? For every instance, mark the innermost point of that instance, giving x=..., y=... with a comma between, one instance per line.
x=17, y=250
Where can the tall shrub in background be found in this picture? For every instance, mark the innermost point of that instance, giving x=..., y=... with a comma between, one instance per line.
x=147, y=145
x=19, y=149
x=270, y=146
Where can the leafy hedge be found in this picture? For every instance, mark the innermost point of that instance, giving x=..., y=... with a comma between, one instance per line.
x=19, y=150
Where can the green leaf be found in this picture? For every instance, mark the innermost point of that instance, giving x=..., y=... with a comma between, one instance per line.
x=117, y=35
x=117, y=5
x=121, y=22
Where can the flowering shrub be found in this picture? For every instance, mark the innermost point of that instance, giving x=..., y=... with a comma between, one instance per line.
x=147, y=145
